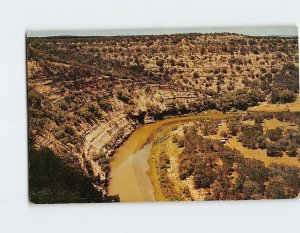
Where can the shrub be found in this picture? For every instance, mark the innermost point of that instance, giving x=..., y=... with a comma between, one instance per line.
x=60, y=134
x=292, y=149
x=160, y=62
x=195, y=75
x=209, y=127
x=104, y=103
x=250, y=134
x=273, y=150
x=179, y=140
x=274, y=134
x=234, y=127
x=103, y=162
x=224, y=134
x=262, y=142
x=124, y=96
x=161, y=138
x=95, y=156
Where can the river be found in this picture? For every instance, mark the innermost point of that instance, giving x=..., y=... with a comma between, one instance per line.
x=129, y=165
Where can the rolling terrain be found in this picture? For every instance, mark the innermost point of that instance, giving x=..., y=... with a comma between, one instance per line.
x=86, y=95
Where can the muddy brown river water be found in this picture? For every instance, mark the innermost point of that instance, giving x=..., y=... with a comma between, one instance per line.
x=129, y=166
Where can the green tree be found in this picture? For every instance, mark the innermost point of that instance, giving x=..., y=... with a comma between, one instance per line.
x=274, y=134
x=234, y=127
x=250, y=188
x=273, y=150
x=275, y=188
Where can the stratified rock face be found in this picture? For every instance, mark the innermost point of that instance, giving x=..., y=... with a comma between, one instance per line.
x=105, y=137
x=86, y=95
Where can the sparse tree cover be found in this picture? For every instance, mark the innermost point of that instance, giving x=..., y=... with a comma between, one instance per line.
x=234, y=127
x=104, y=103
x=78, y=84
x=254, y=180
x=90, y=112
x=167, y=185
x=179, y=140
x=209, y=127
x=274, y=134
x=277, y=140
x=250, y=134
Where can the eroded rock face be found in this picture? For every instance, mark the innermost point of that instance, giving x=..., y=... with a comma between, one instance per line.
x=105, y=137
x=106, y=134
x=110, y=134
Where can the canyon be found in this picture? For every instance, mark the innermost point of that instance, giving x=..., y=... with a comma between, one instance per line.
x=87, y=95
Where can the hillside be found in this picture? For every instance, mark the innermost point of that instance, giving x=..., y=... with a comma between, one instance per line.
x=86, y=95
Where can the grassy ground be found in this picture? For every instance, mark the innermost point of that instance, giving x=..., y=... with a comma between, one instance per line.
x=274, y=123
x=260, y=154
x=153, y=172
x=292, y=107
x=184, y=189
x=172, y=151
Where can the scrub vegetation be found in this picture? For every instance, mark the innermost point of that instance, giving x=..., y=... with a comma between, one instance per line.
x=86, y=95
x=203, y=167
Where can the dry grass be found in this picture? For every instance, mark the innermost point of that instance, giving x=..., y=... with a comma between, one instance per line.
x=249, y=122
x=274, y=123
x=292, y=107
x=172, y=151
x=261, y=155
x=222, y=127
x=154, y=177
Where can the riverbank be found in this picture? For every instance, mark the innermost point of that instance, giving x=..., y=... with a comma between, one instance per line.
x=127, y=178
x=163, y=149
x=164, y=153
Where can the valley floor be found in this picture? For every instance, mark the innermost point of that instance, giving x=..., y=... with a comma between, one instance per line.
x=292, y=107
x=166, y=151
